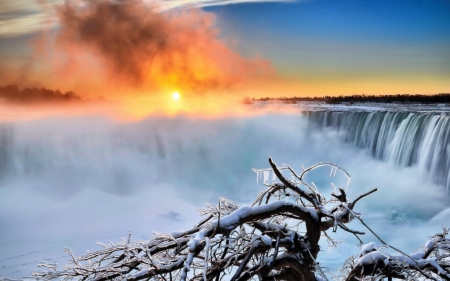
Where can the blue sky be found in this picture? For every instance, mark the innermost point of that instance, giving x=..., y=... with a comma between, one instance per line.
x=375, y=41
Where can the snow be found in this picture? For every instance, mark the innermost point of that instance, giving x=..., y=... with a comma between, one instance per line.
x=369, y=247
x=320, y=278
x=266, y=240
x=375, y=257
x=371, y=258
x=232, y=220
x=139, y=273
x=192, y=244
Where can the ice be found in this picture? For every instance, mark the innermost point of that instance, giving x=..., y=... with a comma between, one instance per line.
x=206, y=259
x=266, y=176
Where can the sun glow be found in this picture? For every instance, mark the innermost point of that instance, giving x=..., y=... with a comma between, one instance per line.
x=176, y=95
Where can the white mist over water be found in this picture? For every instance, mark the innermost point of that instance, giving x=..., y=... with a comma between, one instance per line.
x=71, y=182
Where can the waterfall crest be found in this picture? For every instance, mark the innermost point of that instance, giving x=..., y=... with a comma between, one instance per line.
x=401, y=138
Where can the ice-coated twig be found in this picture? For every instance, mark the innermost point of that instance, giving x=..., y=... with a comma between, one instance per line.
x=275, y=238
x=400, y=263
x=205, y=268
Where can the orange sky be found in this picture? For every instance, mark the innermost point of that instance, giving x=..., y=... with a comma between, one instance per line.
x=136, y=57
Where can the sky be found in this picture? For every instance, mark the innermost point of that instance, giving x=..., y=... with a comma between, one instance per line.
x=211, y=51
x=350, y=47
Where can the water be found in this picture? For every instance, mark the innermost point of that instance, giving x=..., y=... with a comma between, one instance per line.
x=402, y=139
x=75, y=181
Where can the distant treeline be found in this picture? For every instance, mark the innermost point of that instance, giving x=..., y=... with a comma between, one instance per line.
x=436, y=98
x=12, y=93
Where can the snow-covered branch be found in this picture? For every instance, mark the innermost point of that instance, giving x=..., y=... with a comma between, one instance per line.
x=432, y=261
x=275, y=238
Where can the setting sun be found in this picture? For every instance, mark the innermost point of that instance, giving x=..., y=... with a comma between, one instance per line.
x=176, y=96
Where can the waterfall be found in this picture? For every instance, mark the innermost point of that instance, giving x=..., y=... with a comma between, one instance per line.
x=401, y=138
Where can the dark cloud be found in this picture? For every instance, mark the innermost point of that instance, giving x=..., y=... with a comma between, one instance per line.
x=140, y=46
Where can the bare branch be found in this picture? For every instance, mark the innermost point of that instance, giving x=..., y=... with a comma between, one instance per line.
x=290, y=185
x=275, y=238
x=351, y=205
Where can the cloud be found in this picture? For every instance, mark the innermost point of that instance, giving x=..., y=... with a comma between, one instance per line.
x=29, y=16
x=140, y=47
x=26, y=16
x=172, y=4
x=132, y=53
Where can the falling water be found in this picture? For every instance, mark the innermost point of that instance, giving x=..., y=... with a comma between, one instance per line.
x=401, y=138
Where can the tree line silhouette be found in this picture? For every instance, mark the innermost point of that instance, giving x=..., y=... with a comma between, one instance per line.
x=398, y=98
x=12, y=93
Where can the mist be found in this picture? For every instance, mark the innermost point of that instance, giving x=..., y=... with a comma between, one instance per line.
x=74, y=181
x=137, y=56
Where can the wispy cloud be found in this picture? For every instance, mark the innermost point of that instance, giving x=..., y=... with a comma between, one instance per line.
x=28, y=16
x=171, y=4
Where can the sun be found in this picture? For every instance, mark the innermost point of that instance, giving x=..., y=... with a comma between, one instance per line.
x=176, y=95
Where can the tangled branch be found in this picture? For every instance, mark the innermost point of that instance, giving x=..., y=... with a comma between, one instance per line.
x=275, y=238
